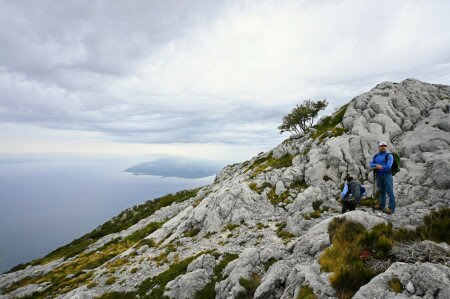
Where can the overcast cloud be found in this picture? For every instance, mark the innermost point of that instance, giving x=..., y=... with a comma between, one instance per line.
x=154, y=75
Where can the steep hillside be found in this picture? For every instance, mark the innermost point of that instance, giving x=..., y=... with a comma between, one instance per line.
x=271, y=227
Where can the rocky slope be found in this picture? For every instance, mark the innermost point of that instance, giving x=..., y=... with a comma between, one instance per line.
x=262, y=229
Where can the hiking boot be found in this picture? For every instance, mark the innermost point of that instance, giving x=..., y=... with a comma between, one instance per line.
x=378, y=207
x=388, y=211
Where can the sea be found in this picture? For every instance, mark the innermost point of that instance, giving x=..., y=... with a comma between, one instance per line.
x=47, y=204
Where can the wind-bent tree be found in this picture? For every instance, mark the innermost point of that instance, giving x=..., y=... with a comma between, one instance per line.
x=302, y=116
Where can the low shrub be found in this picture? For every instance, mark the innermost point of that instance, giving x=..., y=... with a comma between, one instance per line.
x=153, y=287
x=282, y=233
x=250, y=285
x=192, y=233
x=299, y=185
x=111, y=280
x=343, y=257
x=326, y=127
x=316, y=205
x=208, y=290
x=357, y=254
x=269, y=263
x=117, y=295
x=261, y=164
x=230, y=226
x=395, y=285
x=306, y=293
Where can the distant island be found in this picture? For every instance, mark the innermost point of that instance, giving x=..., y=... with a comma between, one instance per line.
x=178, y=167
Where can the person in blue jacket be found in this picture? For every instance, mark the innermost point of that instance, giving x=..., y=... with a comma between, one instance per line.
x=385, y=182
x=351, y=194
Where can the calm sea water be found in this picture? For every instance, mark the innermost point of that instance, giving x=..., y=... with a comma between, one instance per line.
x=44, y=205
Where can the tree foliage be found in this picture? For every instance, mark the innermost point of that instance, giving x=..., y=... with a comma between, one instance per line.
x=302, y=116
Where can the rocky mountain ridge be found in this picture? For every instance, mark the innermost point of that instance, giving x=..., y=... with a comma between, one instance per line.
x=263, y=228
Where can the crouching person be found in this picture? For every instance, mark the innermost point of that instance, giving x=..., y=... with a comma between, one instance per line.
x=351, y=194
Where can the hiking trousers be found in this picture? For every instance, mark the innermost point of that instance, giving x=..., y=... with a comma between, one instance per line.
x=385, y=183
x=348, y=206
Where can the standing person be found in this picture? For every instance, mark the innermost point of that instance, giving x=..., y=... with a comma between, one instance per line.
x=351, y=194
x=381, y=164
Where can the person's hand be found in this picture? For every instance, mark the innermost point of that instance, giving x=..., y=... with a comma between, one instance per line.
x=378, y=167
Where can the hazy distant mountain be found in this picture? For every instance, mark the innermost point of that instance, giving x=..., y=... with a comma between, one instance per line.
x=178, y=167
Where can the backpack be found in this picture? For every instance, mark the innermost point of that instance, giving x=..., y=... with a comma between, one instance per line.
x=395, y=164
x=362, y=190
x=354, y=188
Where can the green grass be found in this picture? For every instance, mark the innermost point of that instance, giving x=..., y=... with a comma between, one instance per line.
x=117, y=295
x=367, y=202
x=306, y=293
x=395, y=285
x=230, y=227
x=343, y=258
x=276, y=199
x=118, y=223
x=352, y=245
x=306, y=150
x=435, y=227
x=299, y=185
x=269, y=263
x=156, y=285
x=261, y=164
x=84, y=262
x=250, y=285
x=261, y=226
x=318, y=210
x=111, y=280
x=192, y=233
x=282, y=233
x=327, y=126
x=209, y=291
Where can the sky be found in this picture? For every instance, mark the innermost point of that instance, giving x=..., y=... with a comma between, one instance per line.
x=199, y=79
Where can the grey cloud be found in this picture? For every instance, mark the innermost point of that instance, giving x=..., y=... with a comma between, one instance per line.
x=83, y=65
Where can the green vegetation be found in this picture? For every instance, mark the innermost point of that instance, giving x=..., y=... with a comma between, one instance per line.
x=435, y=227
x=318, y=210
x=269, y=263
x=327, y=127
x=117, y=295
x=301, y=117
x=276, y=199
x=156, y=285
x=162, y=258
x=353, y=245
x=111, y=280
x=92, y=260
x=91, y=285
x=250, y=285
x=367, y=202
x=261, y=164
x=261, y=226
x=118, y=223
x=148, y=242
x=257, y=189
x=396, y=286
x=208, y=291
x=299, y=185
x=230, y=226
x=306, y=150
x=306, y=293
x=192, y=233
x=282, y=233
x=343, y=258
